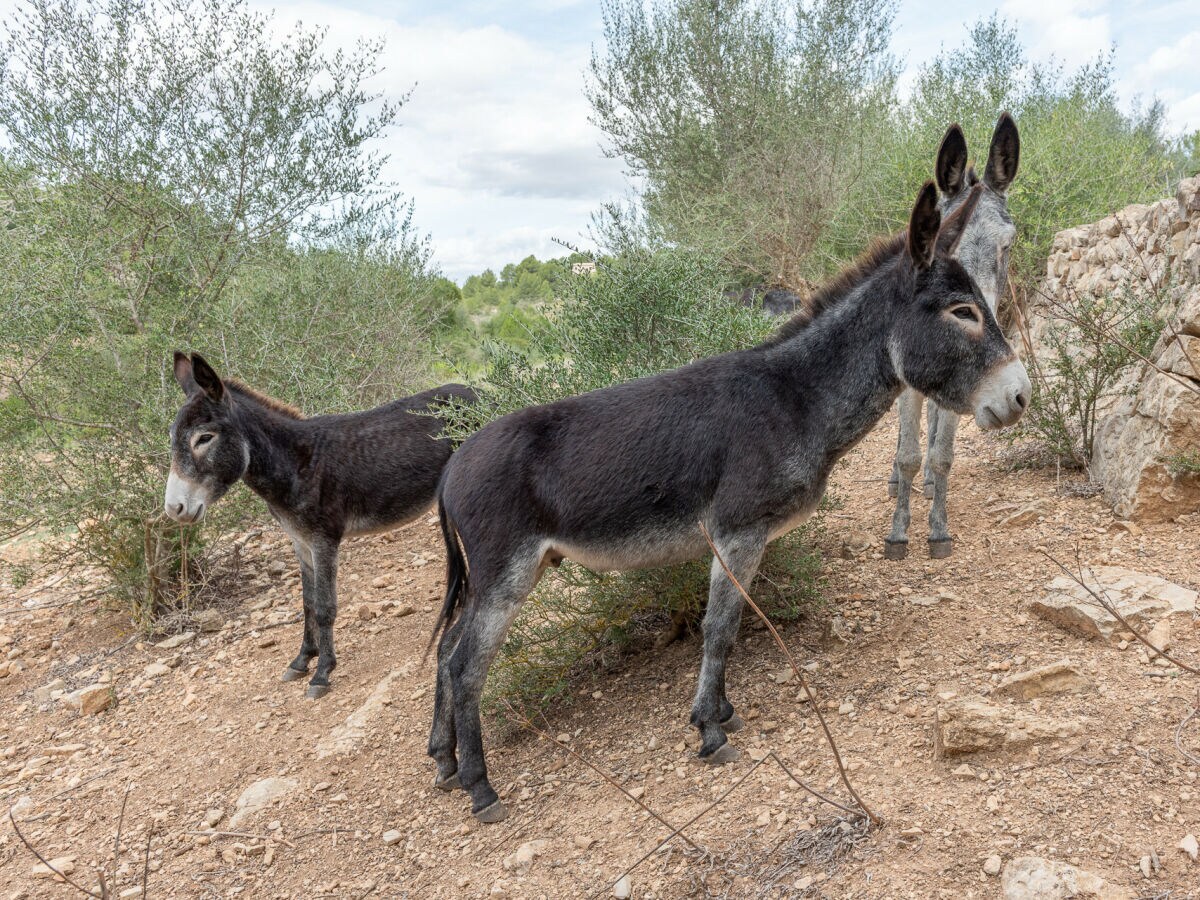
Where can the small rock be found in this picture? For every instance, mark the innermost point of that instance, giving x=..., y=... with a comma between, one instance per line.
x=1057, y=678
x=392, y=837
x=154, y=670
x=63, y=864
x=45, y=693
x=1028, y=514
x=991, y=865
x=176, y=640
x=1189, y=846
x=208, y=620
x=524, y=856
x=973, y=725
x=1160, y=635
x=92, y=699
x=583, y=842
x=637, y=792
x=1034, y=878
x=623, y=889
x=366, y=612
x=258, y=796
x=213, y=817
x=276, y=568
x=1146, y=864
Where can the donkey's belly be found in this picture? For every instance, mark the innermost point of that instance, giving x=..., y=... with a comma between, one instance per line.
x=643, y=551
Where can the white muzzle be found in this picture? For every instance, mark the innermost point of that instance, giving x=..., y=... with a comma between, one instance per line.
x=1003, y=396
x=186, y=501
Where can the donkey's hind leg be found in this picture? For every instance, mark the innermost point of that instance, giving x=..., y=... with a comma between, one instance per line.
x=495, y=600
x=712, y=713
x=441, y=735
x=908, y=461
x=298, y=667
x=941, y=456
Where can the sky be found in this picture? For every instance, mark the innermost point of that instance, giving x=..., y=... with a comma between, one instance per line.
x=495, y=147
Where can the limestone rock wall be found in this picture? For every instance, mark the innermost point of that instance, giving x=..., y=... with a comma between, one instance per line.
x=1157, y=245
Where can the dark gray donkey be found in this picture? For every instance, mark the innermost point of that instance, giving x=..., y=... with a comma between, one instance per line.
x=620, y=478
x=324, y=478
x=983, y=252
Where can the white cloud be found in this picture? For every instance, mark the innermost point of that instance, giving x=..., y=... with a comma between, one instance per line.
x=1074, y=31
x=496, y=122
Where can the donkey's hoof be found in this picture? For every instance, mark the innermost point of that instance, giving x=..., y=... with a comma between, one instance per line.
x=941, y=549
x=895, y=549
x=490, y=815
x=732, y=725
x=316, y=691
x=290, y=674
x=726, y=753
x=447, y=784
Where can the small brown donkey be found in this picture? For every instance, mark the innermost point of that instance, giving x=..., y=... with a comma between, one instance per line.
x=324, y=478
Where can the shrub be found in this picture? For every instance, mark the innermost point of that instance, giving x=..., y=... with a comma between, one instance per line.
x=642, y=312
x=174, y=177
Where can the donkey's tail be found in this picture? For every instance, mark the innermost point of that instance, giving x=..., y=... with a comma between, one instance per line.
x=456, y=577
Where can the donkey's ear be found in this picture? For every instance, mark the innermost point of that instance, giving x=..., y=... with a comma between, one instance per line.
x=1004, y=156
x=207, y=379
x=923, y=227
x=183, y=374
x=951, y=164
x=956, y=223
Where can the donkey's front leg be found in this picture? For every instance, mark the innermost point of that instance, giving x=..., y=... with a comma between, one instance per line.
x=712, y=713
x=298, y=667
x=908, y=461
x=325, y=561
x=909, y=413
x=941, y=456
x=934, y=414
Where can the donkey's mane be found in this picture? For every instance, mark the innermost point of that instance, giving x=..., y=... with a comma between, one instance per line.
x=881, y=251
x=279, y=406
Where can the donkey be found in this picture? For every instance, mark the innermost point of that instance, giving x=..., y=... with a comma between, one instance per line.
x=324, y=478
x=620, y=478
x=983, y=252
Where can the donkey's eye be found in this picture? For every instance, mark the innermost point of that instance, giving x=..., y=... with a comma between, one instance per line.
x=966, y=313
x=202, y=439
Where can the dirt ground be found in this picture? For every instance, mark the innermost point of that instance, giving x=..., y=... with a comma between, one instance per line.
x=196, y=725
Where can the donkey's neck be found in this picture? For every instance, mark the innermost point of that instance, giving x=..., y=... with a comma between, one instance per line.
x=837, y=371
x=275, y=447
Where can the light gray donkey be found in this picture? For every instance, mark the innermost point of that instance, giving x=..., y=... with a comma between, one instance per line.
x=983, y=252
x=620, y=478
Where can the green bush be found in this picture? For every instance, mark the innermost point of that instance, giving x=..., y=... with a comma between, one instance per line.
x=1086, y=358
x=642, y=312
x=175, y=177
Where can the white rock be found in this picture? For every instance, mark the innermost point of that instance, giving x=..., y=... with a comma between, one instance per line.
x=1189, y=846
x=524, y=856
x=176, y=640
x=1034, y=878
x=348, y=736
x=1141, y=599
x=155, y=670
x=991, y=865
x=92, y=699
x=63, y=864
x=392, y=837
x=623, y=889
x=259, y=796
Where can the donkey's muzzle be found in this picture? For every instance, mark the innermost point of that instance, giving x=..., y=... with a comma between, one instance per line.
x=1003, y=396
x=185, y=501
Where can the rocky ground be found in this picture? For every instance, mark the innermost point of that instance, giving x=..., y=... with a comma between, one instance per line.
x=1003, y=745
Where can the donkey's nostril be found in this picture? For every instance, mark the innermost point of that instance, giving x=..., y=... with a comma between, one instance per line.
x=176, y=509
x=1022, y=399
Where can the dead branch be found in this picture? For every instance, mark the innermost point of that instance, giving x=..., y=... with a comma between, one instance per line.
x=45, y=862
x=812, y=699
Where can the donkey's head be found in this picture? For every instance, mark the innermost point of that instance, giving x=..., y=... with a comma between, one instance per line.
x=208, y=451
x=946, y=344
x=985, y=244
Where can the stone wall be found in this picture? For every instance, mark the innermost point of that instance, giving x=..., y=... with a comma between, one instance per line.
x=1154, y=246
